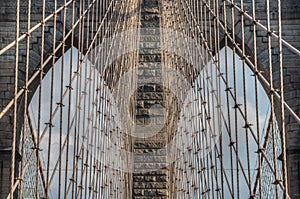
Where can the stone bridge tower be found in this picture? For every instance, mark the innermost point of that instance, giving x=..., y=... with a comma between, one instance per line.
x=153, y=184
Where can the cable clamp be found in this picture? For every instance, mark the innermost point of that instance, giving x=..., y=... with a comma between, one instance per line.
x=49, y=124
x=36, y=148
x=260, y=150
x=60, y=104
x=277, y=182
x=236, y=106
x=228, y=89
x=231, y=143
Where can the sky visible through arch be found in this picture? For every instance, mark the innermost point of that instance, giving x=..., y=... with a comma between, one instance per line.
x=207, y=84
x=264, y=111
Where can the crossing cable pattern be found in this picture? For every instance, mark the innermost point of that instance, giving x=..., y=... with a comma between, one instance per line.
x=222, y=170
x=229, y=141
x=71, y=111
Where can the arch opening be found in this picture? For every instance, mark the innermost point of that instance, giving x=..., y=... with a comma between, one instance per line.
x=224, y=138
x=71, y=130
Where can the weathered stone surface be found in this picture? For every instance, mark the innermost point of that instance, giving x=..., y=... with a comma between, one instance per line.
x=149, y=153
x=149, y=95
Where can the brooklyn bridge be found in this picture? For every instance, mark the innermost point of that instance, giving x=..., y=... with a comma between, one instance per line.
x=140, y=99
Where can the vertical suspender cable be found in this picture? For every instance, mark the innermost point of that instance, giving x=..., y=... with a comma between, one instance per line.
x=25, y=95
x=13, y=149
x=283, y=130
x=51, y=100
x=272, y=116
x=37, y=148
